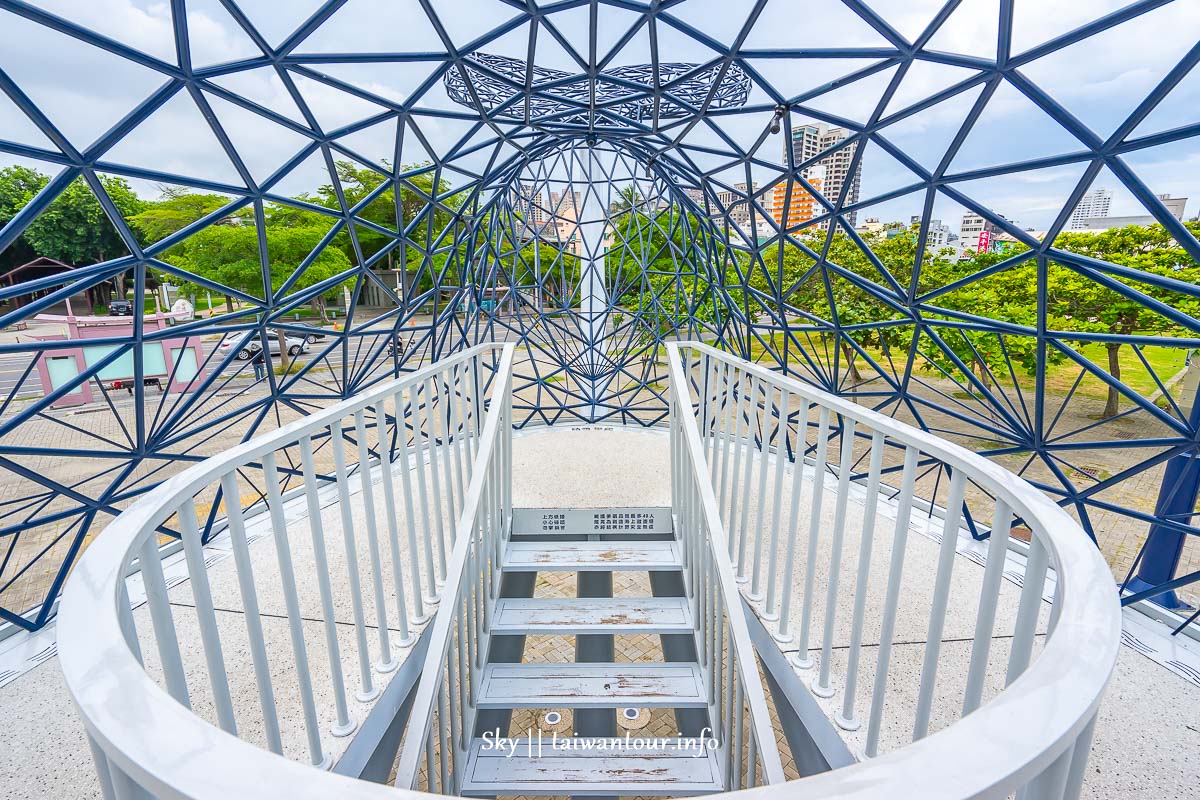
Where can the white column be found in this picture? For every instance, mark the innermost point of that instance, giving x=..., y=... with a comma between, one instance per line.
x=593, y=304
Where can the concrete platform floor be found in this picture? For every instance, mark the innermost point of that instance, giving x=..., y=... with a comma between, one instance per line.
x=1147, y=741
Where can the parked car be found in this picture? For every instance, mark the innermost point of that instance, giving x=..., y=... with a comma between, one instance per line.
x=120, y=308
x=295, y=346
x=310, y=332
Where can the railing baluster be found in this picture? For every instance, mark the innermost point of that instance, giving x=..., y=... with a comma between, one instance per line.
x=891, y=603
x=254, y=629
x=802, y=658
x=771, y=611
x=416, y=399
x=103, y=771
x=847, y=719
x=462, y=412
x=462, y=662
x=784, y=634
x=1028, y=609
x=459, y=430
x=287, y=577
x=446, y=743
x=387, y=661
x=727, y=437
x=435, y=481
x=1051, y=784
x=410, y=514
x=764, y=452
x=744, y=508
x=751, y=760
x=124, y=787
x=823, y=686
x=368, y=691
x=708, y=439
x=344, y=725
x=162, y=620
x=739, y=445
x=1079, y=758
x=739, y=712
x=207, y=617
x=445, y=412
x=431, y=776
x=989, y=594
x=128, y=626
x=389, y=508
x=941, y=597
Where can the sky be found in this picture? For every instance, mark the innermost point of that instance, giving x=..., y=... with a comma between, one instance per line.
x=84, y=90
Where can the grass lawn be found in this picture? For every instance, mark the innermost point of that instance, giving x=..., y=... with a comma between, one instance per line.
x=1164, y=361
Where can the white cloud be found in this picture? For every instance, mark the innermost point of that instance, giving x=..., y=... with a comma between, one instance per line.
x=85, y=90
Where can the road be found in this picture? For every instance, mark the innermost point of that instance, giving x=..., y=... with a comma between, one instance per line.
x=16, y=372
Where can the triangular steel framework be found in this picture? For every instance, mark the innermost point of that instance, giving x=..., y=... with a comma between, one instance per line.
x=489, y=129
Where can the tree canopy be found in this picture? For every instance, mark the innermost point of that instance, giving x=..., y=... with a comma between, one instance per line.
x=74, y=228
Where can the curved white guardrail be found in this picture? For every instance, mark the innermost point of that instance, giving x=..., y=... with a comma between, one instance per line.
x=146, y=739
x=1032, y=737
x=1033, y=733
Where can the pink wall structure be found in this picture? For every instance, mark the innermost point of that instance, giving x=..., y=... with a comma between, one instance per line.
x=159, y=356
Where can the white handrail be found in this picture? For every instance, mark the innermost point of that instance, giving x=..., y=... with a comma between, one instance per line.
x=143, y=737
x=146, y=740
x=472, y=534
x=691, y=481
x=1025, y=735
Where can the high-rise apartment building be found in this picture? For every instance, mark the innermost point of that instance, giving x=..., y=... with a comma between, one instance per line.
x=1092, y=205
x=1104, y=222
x=809, y=141
x=793, y=205
x=532, y=205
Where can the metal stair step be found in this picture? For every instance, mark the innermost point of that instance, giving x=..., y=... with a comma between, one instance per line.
x=586, y=766
x=599, y=685
x=591, y=556
x=568, y=615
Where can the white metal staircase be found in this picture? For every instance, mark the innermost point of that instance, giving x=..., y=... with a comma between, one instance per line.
x=714, y=682
x=592, y=765
x=434, y=457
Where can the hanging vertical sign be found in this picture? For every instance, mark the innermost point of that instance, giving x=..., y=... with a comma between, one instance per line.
x=985, y=242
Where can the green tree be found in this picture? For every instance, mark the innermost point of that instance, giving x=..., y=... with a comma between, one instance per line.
x=823, y=290
x=656, y=263
x=357, y=182
x=229, y=254
x=74, y=228
x=174, y=211
x=1078, y=303
x=18, y=185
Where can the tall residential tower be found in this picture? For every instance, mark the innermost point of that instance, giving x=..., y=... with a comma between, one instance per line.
x=808, y=141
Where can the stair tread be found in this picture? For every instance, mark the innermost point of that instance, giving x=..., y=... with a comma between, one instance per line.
x=672, y=767
x=598, y=685
x=546, y=615
x=591, y=556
